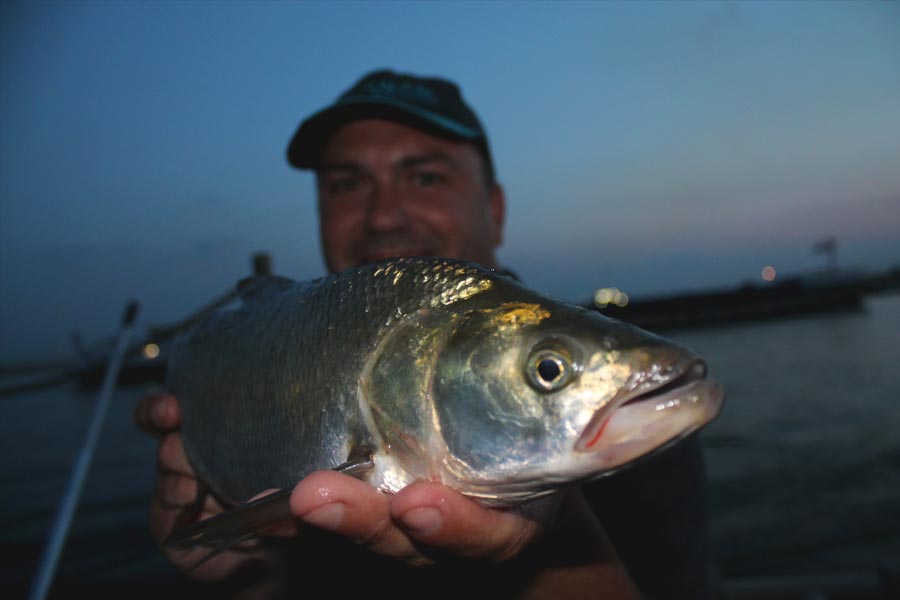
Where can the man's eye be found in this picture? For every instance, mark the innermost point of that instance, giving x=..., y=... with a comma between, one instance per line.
x=345, y=184
x=427, y=178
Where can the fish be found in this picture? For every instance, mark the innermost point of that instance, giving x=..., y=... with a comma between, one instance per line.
x=420, y=369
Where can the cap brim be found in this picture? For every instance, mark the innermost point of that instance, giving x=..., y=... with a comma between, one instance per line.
x=306, y=147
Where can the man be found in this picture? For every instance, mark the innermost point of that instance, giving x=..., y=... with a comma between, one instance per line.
x=404, y=168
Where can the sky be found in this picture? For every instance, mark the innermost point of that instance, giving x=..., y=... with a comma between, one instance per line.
x=653, y=146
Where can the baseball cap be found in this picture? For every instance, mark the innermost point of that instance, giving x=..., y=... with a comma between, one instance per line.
x=429, y=104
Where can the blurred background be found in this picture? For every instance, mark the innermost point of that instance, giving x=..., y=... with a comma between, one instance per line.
x=678, y=151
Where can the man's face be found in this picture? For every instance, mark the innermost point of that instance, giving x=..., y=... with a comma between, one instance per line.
x=387, y=190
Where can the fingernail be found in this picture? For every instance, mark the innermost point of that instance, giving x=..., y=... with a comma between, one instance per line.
x=328, y=517
x=423, y=521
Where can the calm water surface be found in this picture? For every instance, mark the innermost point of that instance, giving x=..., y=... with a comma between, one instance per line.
x=804, y=462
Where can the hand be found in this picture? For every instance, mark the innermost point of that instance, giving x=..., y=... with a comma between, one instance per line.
x=398, y=525
x=563, y=554
x=176, y=491
x=422, y=524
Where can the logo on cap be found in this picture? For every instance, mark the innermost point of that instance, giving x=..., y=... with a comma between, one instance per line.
x=415, y=92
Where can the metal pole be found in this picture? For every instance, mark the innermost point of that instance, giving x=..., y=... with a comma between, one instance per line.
x=53, y=549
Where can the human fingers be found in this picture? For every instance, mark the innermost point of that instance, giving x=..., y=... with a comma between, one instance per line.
x=355, y=510
x=441, y=518
x=175, y=491
x=180, y=493
x=177, y=488
x=172, y=495
x=157, y=414
x=171, y=457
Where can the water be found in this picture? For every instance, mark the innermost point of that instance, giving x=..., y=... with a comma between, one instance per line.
x=804, y=462
x=109, y=542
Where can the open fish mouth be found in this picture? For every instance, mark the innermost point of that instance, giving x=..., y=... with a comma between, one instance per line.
x=653, y=412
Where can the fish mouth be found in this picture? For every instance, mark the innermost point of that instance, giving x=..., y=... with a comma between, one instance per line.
x=663, y=406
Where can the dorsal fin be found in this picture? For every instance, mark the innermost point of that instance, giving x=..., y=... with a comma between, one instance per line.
x=251, y=286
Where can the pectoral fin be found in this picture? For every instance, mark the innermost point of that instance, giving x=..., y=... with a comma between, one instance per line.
x=359, y=463
x=266, y=515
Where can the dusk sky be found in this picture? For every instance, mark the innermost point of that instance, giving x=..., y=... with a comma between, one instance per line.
x=652, y=146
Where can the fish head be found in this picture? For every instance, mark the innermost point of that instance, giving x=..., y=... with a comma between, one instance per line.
x=529, y=396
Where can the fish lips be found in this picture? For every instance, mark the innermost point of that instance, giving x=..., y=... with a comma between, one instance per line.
x=648, y=404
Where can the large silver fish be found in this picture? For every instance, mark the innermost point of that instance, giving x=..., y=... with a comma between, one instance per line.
x=426, y=368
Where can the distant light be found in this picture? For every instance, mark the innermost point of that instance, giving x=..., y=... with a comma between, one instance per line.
x=151, y=351
x=768, y=273
x=606, y=296
x=602, y=297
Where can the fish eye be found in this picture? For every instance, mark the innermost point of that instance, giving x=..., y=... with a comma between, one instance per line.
x=549, y=370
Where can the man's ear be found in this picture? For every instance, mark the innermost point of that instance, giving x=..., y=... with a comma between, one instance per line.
x=497, y=210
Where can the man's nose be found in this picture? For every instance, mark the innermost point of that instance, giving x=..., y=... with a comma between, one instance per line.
x=387, y=209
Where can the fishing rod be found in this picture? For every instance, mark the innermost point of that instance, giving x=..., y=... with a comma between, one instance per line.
x=53, y=549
